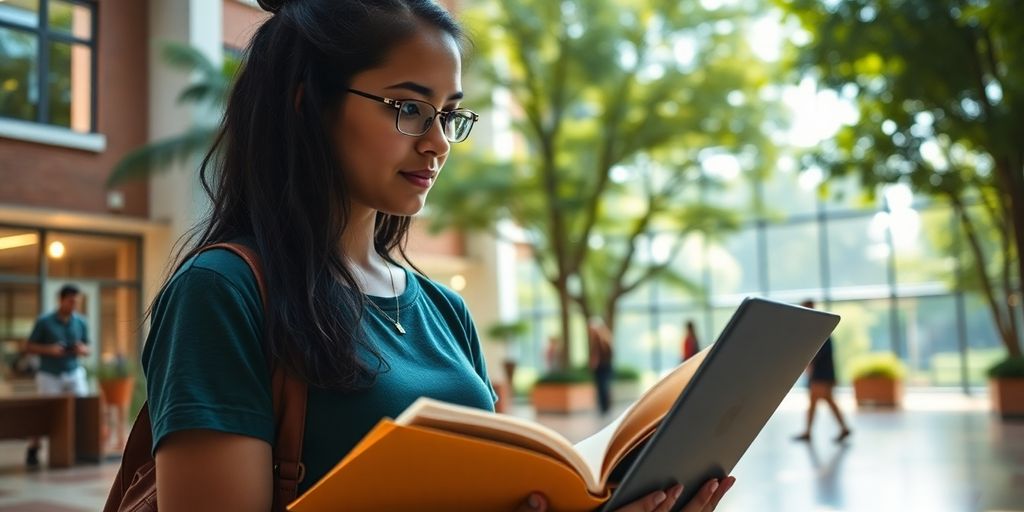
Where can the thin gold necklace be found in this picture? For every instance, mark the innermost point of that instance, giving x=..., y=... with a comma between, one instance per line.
x=398, y=306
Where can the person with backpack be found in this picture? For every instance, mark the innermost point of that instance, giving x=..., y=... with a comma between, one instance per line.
x=290, y=327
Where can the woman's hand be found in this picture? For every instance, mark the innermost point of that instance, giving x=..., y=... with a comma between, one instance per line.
x=659, y=501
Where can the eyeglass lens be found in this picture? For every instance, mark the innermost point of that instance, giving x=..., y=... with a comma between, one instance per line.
x=416, y=117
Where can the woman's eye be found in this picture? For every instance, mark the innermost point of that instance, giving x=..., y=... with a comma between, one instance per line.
x=410, y=109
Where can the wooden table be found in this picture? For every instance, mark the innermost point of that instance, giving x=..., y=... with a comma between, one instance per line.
x=23, y=416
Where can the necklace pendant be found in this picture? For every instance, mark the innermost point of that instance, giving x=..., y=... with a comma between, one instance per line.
x=399, y=327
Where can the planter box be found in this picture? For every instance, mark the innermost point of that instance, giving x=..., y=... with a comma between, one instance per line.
x=1007, y=397
x=877, y=392
x=563, y=398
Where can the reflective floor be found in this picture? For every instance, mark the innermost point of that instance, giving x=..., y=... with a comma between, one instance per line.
x=942, y=452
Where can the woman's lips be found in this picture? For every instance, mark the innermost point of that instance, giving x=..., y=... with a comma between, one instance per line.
x=422, y=179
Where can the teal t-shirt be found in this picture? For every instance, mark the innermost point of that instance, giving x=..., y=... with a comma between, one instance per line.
x=206, y=369
x=49, y=330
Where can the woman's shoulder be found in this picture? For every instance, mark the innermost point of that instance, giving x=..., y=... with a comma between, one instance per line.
x=437, y=291
x=223, y=263
x=216, y=269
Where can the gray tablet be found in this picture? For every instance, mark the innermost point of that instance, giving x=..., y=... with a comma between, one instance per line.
x=755, y=362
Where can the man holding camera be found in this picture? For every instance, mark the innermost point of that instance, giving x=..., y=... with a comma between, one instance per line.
x=59, y=339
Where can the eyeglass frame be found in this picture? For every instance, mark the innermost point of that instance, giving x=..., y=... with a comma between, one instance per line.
x=397, y=104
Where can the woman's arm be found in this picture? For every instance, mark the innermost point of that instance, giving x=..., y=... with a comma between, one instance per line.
x=206, y=470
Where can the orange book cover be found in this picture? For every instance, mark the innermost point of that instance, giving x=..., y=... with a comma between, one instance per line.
x=439, y=456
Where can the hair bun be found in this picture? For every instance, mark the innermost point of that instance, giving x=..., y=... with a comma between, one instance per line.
x=271, y=5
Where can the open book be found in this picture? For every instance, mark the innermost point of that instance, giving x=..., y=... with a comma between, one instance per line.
x=489, y=461
x=692, y=425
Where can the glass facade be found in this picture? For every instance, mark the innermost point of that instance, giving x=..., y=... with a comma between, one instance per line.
x=35, y=263
x=880, y=261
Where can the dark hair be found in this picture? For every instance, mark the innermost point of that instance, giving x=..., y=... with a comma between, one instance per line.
x=68, y=289
x=277, y=179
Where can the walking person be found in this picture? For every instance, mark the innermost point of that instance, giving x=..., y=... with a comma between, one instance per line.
x=822, y=381
x=600, y=347
x=690, y=345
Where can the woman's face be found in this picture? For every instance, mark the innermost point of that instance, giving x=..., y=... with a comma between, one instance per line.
x=386, y=170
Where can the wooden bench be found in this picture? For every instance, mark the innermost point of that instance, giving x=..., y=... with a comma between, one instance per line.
x=71, y=424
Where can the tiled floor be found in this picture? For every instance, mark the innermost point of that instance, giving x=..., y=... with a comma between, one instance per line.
x=942, y=452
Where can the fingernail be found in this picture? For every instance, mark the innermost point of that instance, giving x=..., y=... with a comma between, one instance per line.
x=714, y=486
x=677, y=493
x=534, y=501
x=659, y=497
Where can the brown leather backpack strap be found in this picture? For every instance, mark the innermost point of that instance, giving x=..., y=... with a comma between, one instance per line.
x=290, y=408
x=289, y=396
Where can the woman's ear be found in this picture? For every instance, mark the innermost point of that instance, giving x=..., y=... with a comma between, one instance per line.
x=298, y=97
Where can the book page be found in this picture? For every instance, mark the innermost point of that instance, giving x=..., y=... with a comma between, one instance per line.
x=646, y=414
x=593, y=448
x=501, y=428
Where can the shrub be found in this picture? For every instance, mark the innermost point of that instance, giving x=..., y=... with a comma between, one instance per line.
x=1009, y=368
x=877, y=364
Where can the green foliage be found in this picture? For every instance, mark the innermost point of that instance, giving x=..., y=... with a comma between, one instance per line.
x=209, y=90
x=507, y=332
x=581, y=374
x=614, y=121
x=576, y=375
x=939, y=86
x=117, y=368
x=877, y=364
x=625, y=374
x=1009, y=368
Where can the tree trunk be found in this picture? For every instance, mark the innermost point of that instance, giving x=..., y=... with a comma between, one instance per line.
x=995, y=305
x=1014, y=299
x=565, y=305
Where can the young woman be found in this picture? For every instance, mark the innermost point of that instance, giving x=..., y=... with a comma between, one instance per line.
x=341, y=120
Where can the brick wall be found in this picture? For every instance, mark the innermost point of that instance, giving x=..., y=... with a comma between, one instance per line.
x=45, y=176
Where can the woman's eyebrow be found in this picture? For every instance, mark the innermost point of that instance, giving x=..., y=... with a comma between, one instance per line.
x=423, y=90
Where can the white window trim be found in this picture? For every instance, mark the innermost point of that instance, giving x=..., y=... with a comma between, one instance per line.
x=52, y=135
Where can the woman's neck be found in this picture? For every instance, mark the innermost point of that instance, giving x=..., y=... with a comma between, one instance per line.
x=373, y=274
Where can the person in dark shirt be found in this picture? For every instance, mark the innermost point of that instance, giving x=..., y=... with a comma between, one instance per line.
x=600, y=343
x=59, y=339
x=822, y=380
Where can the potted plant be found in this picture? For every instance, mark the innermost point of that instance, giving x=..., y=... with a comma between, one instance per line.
x=878, y=380
x=564, y=391
x=116, y=378
x=1006, y=387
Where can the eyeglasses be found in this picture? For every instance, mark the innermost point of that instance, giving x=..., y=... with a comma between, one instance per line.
x=414, y=117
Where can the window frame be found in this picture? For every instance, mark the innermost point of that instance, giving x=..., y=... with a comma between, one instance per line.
x=45, y=36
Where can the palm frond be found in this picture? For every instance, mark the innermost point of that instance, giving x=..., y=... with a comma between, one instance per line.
x=183, y=56
x=159, y=155
x=210, y=93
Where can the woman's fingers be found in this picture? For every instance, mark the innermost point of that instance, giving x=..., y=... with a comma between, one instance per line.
x=535, y=502
x=672, y=496
x=706, y=500
x=723, y=487
x=657, y=501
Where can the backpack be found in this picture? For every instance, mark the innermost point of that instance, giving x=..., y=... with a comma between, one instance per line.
x=134, y=488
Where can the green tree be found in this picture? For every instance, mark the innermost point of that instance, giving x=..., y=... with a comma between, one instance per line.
x=620, y=105
x=940, y=89
x=209, y=89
